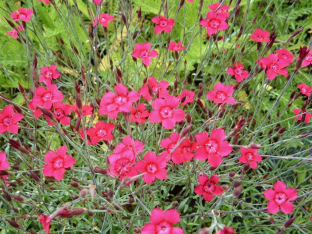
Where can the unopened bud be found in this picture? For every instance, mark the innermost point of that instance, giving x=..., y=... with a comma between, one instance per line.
x=110, y=194
x=231, y=174
x=100, y=170
x=237, y=183
x=271, y=220
x=204, y=231
x=74, y=184
x=254, y=146
x=17, y=198
x=237, y=191
x=13, y=223
x=83, y=192
x=289, y=222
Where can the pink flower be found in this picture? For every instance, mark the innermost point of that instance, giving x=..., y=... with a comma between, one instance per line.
x=163, y=24
x=189, y=97
x=60, y=110
x=5, y=178
x=153, y=167
x=307, y=60
x=4, y=164
x=103, y=19
x=285, y=55
x=101, y=131
x=57, y=162
x=273, y=66
x=143, y=52
x=86, y=110
x=208, y=188
x=190, y=0
x=9, y=120
x=139, y=114
x=260, y=35
x=161, y=222
x=45, y=1
x=156, y=87
x=46, y=97
x=22, y=14
x=250, y=156
x=222, y=10
x=307, y=115
x=97, y=2
x=184, y=152
x=14, y=33
x=45, y=220
x=169, y=144
x=111, y=103
x=127, y=146
x=238, y=72
x=176, y=46
x=280, y=197
x=213, y=148
x=221, y=94
x=305, y=89
x=166, y=112
x=49, y=73
x=214, y=22
x=226, y=230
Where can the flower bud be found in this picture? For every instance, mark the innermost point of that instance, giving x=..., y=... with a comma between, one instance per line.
x=232, y=173
x=237, y=183
x=237, y=191
x=254, y=146
x=34, y=176
x=17, y=198
x=6, y=195
x=13, y=223
x=204, y=231
x=289, y=222
x=100, y=170
x=3, y=172
x=74, y=184
x=271, y=220
x=110, y=194
x=83, y=192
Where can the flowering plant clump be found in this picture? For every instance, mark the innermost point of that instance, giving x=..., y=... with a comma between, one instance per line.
x=155, y=117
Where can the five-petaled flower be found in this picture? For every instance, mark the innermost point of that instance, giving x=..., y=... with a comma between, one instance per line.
x=22, y=14
x=163, y=24
x=142, y=51
x=221, y=94
x=213, y=148
x=60, y=110
x=9, y=120
x=307, y=118
x=187, y=97
x=86, y=110
x=161, y=222
x=166, y=112
x=273, y=66
x=129, y=145
x=169, y=144
x=101, y=131
x=214, y=22
x=103, y=19
x=223, y=10
x=250, y=156
x=57, y=162
x=226, y=230
x=307, y=61
x=153, y=167
x=176, y=46
x=207, y=187
x=280, y=198
x=139, y=114
x=97, y=2
x=4, y=164
x=153, y=87
x=260, y=35
x=45, y=220
x=238, y=72
x=45, y=1
x=14, y=33
x=305, y=89
x=49, y=73
x=285, y=55
x=184, y=152
x=45, y=97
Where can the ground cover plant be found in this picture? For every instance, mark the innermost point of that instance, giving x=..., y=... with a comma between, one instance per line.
x=158, y=116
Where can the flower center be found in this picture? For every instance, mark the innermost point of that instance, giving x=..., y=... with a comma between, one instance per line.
x=260, y=37
x=163, y=23
x=138, y=114
x=47, y=97
x=144, y=54
x=211, y=147
x=121, y=100
x=238, y=71
x=122, y=165
x=166, y=112
x=103, y=20
x=214, y=23
x=304, y=90
x=186, y=149
x=59, y=113
x=285, y=56
x=163, y=227
x=156, y=89
x=22, y=16
x=221, y=96
x=7, y=121
x=151, y=168
x=209, y=187
x=58, y=163
x=101, y=133
x=280, y=198
x=274, y=67
x=249, y=156
x=48, y=74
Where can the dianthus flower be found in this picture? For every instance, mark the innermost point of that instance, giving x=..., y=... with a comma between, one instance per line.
x=280, y=198
x=176, y=46
x=4, y=164
x=208, y=188
x=273, y=66
x=14, y=33
x=22, y=14
x=60, y=110
x=260, y=35
x=45, y=1
x=142, y=51
x=129, y=145
x=101, y=131
x=86, y=110
x=238, y=72
x=46, y=97
x=250, y=156
x=161, y=222
x=169, y=144
x=49, y=73
x=97, y=2
x=156, y=87
x=214, y=22
x=45, y=220
x=139, y=114
x=305, y=89
x=226, y=230
x=103, y=19
x=221, y=94
x=307, y=61
x=9, y=120
x=189, y=97
x=163, y=24
x=285, y=55
x=184, y=152
x=222, y=10
x=308, y=116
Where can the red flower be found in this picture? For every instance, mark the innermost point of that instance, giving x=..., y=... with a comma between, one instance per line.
x=46, y=97
x=45, y=1
x=45, y=220
x=213, y=148
x=81, y=132
x=60, y=110
x=226, y=230
x=155, y=86
x=4, y=164
x=166, y=113
x=259, y=35
x=190, y=0
x=127, y=146
x=184, y=152
x=305, y=89
x=14, y=33
x=238, y=72
x=285, y=55
x=222, y=10
x=214, y=22
x=111, y=103
x=101, y=131
x=97, y=2
x=22, y=14
x=221, y=94
x=143, y=52
x=280, y=197
x=161, y=222
x=9, y=119
x=169, y=144
x=307, y=115
x=153, y=167
x=273, y=66
x=307, y=60
x=49, y=73
x=139, y=114
x=163, y=24
x=176, y=46
x=208, y=188
x=86, y=110
x=189, y=97
x=103, y=19
x=250, y=156
x=57, y=162
x=5, y=178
